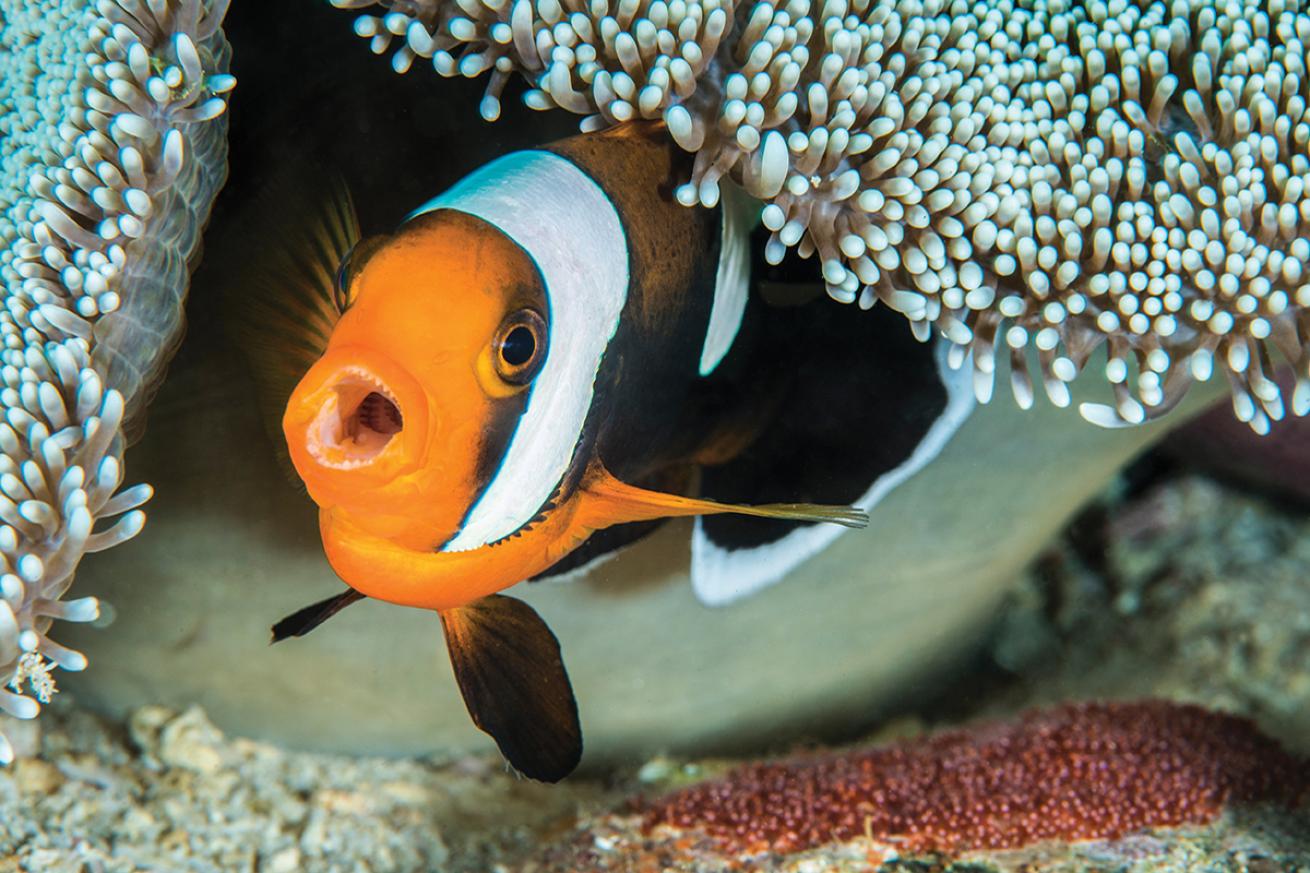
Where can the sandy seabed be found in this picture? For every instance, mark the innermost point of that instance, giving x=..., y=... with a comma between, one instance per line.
x=1187, y=589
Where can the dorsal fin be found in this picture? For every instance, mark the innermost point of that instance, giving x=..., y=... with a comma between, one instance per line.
x=508, y=666
x=281, y=308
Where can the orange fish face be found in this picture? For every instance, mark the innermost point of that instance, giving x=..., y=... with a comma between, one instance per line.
x=402, y=421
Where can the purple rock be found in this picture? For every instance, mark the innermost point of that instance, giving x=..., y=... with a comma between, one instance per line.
x=1220, y=444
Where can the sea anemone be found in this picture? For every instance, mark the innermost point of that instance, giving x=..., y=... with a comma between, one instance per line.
x=1063, y=174
x=113, y=146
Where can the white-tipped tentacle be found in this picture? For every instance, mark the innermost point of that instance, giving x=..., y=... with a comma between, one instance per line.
x=1097, y=174
x=106, y=184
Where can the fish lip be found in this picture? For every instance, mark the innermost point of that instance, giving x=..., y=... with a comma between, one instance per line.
x=327, y=432
x=316, y=419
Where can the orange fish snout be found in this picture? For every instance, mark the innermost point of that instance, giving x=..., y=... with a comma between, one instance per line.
x=355, y=423
x=356, y=427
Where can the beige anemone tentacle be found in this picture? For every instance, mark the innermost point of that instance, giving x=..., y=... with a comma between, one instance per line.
x=1064, y=175
x=113, y=141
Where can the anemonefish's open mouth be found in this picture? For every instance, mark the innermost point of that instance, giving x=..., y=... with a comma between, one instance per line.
x=356, y=425
x=358, y=419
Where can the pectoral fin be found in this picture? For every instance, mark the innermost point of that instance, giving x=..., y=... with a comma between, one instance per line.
x=302, y=621
x=614, y=500
x=508, y=666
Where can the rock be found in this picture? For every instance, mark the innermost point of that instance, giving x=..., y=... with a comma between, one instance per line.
x=23, y=734
x=144, y=725
x=1218, y=443
x=1193, y=591
x=34, y=776
x=191, y=742
x=285, y=861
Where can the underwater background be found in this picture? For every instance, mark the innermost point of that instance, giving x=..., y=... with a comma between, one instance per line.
x=1169, y=586
x=1035, y=564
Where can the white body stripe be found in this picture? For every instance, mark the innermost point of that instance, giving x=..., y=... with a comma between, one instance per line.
x=569, y=227
x=739, y=213
x=719, y=576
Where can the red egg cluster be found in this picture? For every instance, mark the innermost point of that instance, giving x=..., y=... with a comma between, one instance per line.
x=1078, y=772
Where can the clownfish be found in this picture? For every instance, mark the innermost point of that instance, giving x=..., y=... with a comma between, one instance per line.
x=539, y=366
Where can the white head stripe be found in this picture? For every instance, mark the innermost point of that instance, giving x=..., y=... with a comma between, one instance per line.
x=569, y=227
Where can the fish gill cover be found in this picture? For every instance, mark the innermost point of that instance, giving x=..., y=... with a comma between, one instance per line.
x=1064, y=174
x=112, y=147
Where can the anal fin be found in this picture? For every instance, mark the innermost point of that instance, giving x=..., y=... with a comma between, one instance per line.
x=508, y=666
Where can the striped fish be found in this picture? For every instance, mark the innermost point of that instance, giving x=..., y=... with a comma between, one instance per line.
x=545, y=362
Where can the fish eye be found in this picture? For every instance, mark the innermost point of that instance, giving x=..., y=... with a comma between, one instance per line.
x=520, y=347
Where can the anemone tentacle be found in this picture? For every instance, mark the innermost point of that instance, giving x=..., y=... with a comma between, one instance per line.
x=113, y=143
x=1069, y=175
